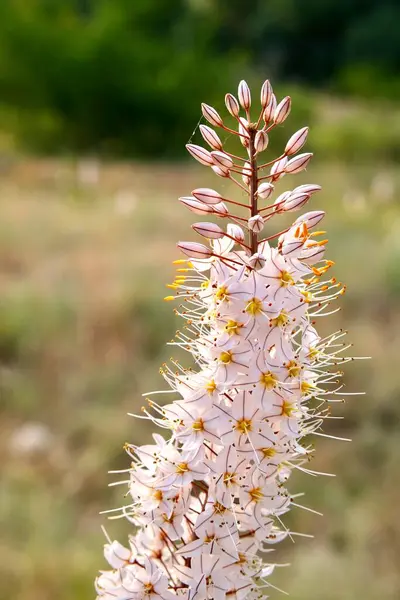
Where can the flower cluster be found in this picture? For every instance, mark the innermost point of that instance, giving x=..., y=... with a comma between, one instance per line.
x=207, y=498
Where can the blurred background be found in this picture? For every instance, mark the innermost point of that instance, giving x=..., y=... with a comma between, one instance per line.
x=97, y=100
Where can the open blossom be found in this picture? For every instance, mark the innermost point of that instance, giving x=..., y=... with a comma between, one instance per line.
x=208, y=496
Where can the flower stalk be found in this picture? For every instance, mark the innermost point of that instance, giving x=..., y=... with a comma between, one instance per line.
x=207, y=496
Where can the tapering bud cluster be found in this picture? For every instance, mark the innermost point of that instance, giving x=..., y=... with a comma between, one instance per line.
x=208, y=496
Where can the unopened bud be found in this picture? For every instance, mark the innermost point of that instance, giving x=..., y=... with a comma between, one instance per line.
x=194, y=250
x=261, y=141
x=310, y=219
x=278, y=169
x=265, y=190
x=220, y=171
x=232, y=105
x=221, y=210
x=298, y=163
x=282, y=110
x=270, y=109
x=297, y=141
x=281, y=199
x=221, y=159
x=200, y=154
x=308, y=188
x=295, y=202
x=247, y=172
x=210, y=137
x=209, y=230
x=235, y=232
x=195, y=206
x=244, y=95
x=117, y=555
x=211, y=115
x=266, y=93
x=257, y=261
x=256, y=223
x=207, y=195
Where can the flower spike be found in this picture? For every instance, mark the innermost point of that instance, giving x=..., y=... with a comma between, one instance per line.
x=208, y=497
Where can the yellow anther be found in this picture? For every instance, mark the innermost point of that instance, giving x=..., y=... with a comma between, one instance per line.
x=169, y=298
x=180, y=261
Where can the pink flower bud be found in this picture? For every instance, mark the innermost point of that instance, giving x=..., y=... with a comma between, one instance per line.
x=308, y=188
x=299, y=163
x=261, y=141
x=197, y=207
x=295, y=202
x=220, y=209
x=221, y=159
x=232, y=105
x=207, y=195
x=256, y=223
x=297, y=141
x=210, y=137
x=209, y=230
x=220, y=171
x=244, y=95
x=266, y=93
x=278, y=169
x=265, y=190
x=200, y=154
x=194, y=250
x=247, y=171
x=211, y=115
x=257, y=261
x=282, y=110
x=281, y=199
x=270, y=109
x=235, y=232
x=311, y=219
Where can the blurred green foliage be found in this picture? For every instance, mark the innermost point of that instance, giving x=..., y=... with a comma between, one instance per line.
x=125, y=77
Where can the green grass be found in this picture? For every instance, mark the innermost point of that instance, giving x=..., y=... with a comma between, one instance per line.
x=82, y=330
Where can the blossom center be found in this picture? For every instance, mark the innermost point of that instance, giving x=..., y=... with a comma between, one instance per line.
x=222, y=293
x=268, y=452
x=281, y=320
x=256, y=494
x=268, y=380
x=232, y=327
x=293, y=368
x=210, y=386
x=286, y=279
x=244, y=426
x=198, y=425
x=229, y=478
x=254, y=307
x=182, y=468
x=225, y=357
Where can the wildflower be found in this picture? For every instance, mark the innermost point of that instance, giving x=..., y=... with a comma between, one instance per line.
x=207, y=497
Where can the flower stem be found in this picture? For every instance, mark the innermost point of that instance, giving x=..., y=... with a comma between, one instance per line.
x=253, y=187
